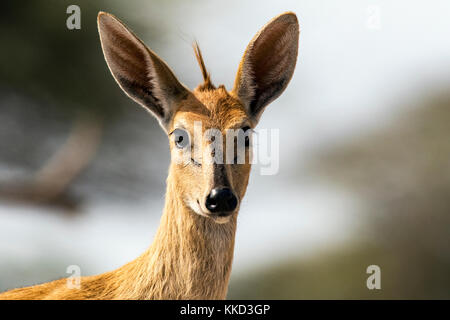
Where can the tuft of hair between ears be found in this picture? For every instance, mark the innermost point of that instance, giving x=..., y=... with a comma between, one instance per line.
x=207, y=84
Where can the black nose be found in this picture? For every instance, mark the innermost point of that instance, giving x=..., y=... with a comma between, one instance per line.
x=221, y=200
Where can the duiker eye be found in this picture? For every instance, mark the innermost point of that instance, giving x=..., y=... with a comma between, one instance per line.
x=247, y=132
x=181, y=138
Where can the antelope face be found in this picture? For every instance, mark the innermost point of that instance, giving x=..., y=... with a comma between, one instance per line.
x=210, y=141
x=209, y=128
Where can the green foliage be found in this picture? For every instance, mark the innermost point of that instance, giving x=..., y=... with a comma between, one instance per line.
x=63, y=68
x=341, y=274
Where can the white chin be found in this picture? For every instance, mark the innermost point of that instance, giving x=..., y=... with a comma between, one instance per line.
x=221, y=220
x=198, y=210
x=195, y=207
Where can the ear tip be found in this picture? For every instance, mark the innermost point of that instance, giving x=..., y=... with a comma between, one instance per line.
x=290, y=14
x=103, y=17
x=289, y=17
x=102, y=14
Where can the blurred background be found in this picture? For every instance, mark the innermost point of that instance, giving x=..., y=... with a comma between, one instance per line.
x=364, y=125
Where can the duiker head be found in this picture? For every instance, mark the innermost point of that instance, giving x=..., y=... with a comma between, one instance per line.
x=199, y=123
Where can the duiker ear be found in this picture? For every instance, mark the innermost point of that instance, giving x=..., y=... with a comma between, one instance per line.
x=268, y=64
x=139, y=71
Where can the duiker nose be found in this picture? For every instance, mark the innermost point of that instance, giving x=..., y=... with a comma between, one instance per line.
x=221, y=200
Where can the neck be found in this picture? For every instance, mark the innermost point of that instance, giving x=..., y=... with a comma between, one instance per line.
x=190, y=257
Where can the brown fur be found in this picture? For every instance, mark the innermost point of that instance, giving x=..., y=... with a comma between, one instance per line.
x=192, y=253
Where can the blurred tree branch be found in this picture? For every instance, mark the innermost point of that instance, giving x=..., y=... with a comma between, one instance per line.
x=50, y=183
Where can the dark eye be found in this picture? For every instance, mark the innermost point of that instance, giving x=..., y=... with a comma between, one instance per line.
x=247, y=132
x=181, y=138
